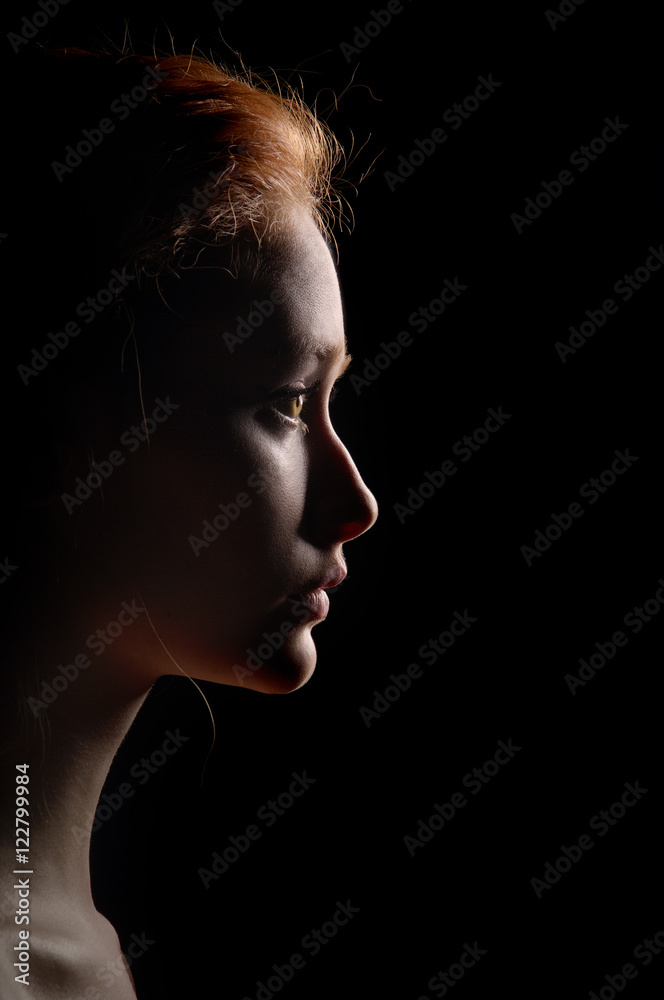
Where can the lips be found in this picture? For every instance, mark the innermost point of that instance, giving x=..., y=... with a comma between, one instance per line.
x=333, y=579
x=313, y=596
x=315, y=602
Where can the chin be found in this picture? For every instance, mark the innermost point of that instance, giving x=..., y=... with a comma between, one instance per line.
x=267, y=669
x=286, y=671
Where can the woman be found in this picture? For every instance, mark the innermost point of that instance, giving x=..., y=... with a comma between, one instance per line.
x=176, y=492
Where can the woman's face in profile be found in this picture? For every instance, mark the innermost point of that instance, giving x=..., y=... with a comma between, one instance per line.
x=232, y=518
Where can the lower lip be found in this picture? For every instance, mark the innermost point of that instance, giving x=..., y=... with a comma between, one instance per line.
x=316, y=603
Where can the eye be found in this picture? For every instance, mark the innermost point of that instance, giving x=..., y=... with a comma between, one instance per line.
x=291, y=406
x=288, y=405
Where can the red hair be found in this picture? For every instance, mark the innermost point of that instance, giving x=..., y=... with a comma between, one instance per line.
x=208, y=155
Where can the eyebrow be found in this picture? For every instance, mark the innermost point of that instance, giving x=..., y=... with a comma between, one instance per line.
x=326, y=353
x=323, y=352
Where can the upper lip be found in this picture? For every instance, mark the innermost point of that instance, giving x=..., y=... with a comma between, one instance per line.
x=336, y=576
x=333, y=578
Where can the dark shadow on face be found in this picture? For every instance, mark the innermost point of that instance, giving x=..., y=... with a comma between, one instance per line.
x=236, y=493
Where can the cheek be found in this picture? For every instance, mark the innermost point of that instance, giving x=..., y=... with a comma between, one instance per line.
x=218, y=598
x=212, y=536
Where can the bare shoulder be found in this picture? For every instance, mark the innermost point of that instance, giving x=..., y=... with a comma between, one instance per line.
x=66, y=958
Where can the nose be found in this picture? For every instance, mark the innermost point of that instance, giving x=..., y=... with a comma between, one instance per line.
x=341, y=505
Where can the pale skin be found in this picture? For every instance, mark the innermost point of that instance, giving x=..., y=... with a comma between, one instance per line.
x=206, y=606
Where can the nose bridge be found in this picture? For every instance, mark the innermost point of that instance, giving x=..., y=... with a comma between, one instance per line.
x=345, y=506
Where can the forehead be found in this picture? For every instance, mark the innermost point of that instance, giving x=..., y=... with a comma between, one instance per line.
x=266, y=319
x=296, y=268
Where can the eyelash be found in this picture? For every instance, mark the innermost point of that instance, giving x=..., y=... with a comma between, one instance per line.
x=307, y=393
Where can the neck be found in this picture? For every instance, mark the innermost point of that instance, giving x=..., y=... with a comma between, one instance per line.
x=69, y=746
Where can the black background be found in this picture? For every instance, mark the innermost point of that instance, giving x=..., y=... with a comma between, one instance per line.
x=460, y=551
